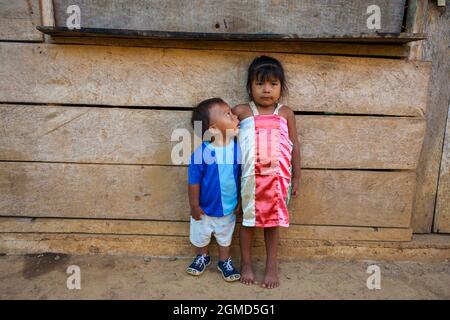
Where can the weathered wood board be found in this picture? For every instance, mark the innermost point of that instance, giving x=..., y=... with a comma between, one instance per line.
x=170, y=228
x=100, y=75
x=416, y=21
x=377, y=38
x=442, y=212
x=327, y=197
x=333, y=17
x=18, y=20
x=435, y=49
x=305, y=47
x=422, y=248
x=130, y=136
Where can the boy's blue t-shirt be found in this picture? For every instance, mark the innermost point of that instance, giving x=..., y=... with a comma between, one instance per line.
x=217, y=170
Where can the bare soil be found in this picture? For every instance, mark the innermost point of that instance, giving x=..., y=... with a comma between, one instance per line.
x=44, y=276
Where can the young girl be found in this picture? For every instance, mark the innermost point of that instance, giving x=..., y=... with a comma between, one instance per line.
x=270, y=164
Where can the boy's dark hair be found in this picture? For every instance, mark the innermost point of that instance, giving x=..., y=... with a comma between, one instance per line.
x=201, y=112
x=263, y=68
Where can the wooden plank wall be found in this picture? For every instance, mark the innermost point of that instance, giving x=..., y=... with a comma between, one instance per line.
x=85, y=144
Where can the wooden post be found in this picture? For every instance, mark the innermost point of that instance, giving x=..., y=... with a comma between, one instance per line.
x=47, y=15
x=415, y=23
x=435, y=22
x=442, y=213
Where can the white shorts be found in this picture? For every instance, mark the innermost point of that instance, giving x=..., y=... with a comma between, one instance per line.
x=222, y=227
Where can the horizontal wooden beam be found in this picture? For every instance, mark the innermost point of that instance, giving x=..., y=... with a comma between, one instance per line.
x=421, y=248
x=327, y=197
x=174, y=228
x=130, y=136
x=304, y=47
x=120, y=76
x=376, y=38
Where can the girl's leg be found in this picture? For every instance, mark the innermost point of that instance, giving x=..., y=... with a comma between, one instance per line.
x=245, y=242
x=271, y=237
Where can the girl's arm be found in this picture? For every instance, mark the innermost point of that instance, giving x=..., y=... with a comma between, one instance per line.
x=242, y=111
x=238, y=209
x=292, y=127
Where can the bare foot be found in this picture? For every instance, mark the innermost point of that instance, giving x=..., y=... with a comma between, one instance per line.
x=270, y=278
x=247, y=275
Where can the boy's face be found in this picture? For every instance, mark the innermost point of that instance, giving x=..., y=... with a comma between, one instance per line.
x=266, y=93
x=222, y=119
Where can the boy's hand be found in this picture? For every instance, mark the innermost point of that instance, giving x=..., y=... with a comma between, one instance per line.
x=197, y=212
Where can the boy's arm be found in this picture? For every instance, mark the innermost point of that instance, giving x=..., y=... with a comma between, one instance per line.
x=292, y=127
x=194, y=196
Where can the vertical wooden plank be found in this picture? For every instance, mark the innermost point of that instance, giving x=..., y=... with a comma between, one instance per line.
x=436, y=49
x=415, y=23
x=47, y=13
x=442, y=214
x=415, y=15
x=47, y=16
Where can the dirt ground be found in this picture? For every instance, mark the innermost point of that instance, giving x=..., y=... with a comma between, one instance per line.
x=45, y=276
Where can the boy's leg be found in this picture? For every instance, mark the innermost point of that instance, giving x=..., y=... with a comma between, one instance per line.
x=224, y=253
x=202, y=251
x=271, y=237
x=225, y=265
x=200, y=236
x=245, y=242
x=224, y=229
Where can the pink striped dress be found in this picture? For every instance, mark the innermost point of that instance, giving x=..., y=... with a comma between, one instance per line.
x=266, y=151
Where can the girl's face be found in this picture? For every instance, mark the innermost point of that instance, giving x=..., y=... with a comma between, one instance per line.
x=266, y=93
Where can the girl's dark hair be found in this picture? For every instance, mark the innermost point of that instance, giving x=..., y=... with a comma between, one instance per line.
x=263, y=68
x=201, y=112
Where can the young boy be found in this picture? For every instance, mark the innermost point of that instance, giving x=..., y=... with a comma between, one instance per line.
x=213, y=175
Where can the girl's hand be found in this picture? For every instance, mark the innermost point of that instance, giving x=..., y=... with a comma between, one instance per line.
x=295, y=184
x=238, y=210
x=197, y=212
